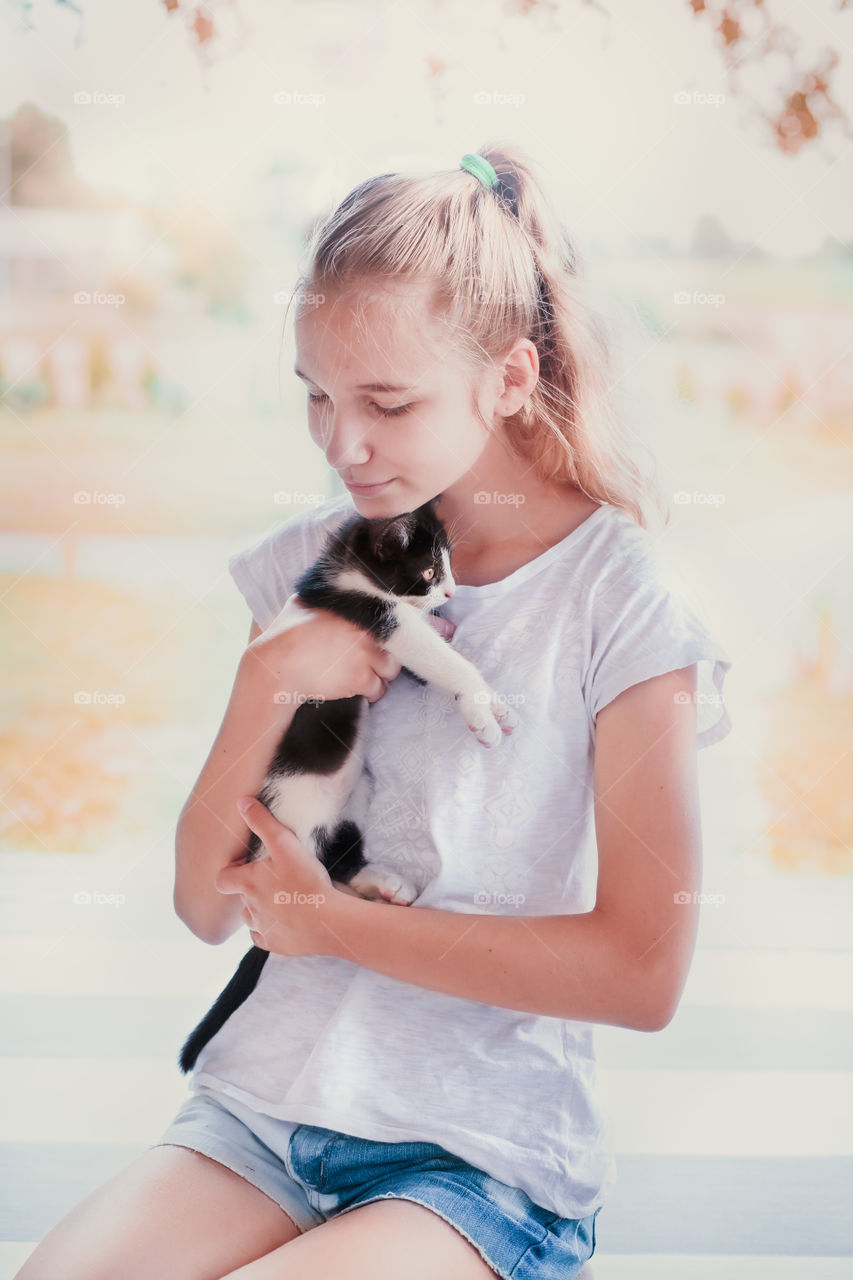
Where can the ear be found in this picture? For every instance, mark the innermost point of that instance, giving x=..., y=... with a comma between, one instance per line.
x=394, y=536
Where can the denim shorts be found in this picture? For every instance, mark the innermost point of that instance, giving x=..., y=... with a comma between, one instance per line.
x=314, y=1174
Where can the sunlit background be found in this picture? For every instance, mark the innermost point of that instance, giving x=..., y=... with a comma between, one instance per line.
x=162, y=165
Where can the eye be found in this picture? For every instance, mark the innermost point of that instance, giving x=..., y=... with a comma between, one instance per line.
x=392, y=413
x=429, y=574
x=386, y=413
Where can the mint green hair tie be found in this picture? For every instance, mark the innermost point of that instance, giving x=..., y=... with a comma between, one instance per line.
x=480, y=168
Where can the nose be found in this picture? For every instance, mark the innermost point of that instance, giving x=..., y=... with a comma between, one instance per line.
x=447, y=594
x=344, y=444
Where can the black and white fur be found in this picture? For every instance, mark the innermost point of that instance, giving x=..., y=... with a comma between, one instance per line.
x=384, y=575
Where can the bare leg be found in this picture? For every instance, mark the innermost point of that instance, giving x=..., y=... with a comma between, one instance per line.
x=173, y=1214
x=380, y=1241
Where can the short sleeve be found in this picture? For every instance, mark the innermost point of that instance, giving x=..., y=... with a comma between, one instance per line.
x=267, y=571
x=644, y=624
x=263, y=570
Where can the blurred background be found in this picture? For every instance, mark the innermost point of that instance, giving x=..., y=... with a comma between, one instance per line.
x=161, y=165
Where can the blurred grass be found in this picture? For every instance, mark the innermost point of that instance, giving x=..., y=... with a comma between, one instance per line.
x=805, y=774
x=72, y=772
x=76, y=774
x=191, y=474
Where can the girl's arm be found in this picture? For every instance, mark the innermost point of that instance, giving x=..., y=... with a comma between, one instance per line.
x=210, y=831
x=623, y=963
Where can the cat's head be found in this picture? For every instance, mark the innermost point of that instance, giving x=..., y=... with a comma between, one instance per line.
x=406, y=555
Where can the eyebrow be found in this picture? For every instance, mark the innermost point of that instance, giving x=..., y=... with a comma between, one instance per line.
x=365, y=386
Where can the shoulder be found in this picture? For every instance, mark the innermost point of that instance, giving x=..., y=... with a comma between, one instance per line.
x=645, y=614
x=626, y=567
x=267, y=569
x=620, y=553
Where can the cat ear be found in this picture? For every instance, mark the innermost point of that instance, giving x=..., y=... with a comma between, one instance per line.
x=394, y=536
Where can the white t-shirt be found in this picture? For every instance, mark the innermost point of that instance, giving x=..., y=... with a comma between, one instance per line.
x=324, y=1041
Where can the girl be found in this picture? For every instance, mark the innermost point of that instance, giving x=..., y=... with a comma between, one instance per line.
x=411, y=1090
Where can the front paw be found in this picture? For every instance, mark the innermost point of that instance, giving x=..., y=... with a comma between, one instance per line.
x=382, y=883
x=487, y=716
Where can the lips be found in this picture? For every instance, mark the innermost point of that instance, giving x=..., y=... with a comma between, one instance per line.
x=367, y=488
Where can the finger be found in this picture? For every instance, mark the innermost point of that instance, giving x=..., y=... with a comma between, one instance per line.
x=388, y=667
x=258, y=817
x=248, y=918
x=229, y=879
x=376, y=690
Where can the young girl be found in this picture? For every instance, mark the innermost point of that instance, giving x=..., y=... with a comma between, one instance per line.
x=411, y=1090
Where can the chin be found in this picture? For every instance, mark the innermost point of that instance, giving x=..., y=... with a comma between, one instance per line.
x=381, y=508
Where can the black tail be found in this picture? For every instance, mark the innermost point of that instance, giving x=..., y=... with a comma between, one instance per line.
x=238, y=989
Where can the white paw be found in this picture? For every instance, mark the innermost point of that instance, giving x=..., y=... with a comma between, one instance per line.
x=487, y=716
x=383, y=883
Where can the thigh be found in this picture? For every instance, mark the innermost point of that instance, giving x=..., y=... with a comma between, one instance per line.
x=173, y=1213
x=382, y=1240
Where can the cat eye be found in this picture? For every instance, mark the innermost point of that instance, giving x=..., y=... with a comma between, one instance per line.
x=429, y=574
x=386, y=413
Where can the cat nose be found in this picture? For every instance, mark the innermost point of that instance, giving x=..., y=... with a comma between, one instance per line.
x=447, y=594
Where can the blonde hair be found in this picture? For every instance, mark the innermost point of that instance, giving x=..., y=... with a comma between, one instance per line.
x=503, y=268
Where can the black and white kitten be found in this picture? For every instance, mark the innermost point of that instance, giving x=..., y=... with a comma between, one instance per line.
x=382, y=574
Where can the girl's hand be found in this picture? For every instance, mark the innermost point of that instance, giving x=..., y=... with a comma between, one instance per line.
x=288, y=897
x=315, y=653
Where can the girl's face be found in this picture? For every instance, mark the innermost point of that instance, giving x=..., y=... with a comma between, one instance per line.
x=387, y=400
